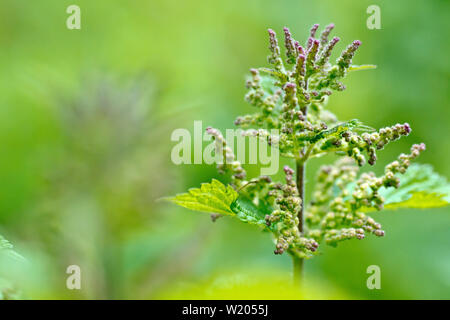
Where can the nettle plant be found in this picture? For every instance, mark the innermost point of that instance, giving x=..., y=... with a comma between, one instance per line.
x=291, y=97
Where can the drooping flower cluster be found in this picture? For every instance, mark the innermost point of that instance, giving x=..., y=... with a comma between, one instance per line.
x=228, y=162
x=286, y=205
x=353, y=144
x=341, y=200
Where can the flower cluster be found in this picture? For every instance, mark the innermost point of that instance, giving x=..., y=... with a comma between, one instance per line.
x=341, y=200
x=229, y=162
x=354, y=144
x=284, y=95
x=286, y=202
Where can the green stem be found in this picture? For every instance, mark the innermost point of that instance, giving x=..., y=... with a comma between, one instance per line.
x=298, y=262
x=298, y=271
x=301, y=190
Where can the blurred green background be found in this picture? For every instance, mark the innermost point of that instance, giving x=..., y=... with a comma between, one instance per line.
x=85, y=123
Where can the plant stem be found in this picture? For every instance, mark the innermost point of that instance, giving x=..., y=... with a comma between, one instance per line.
x=298, y=262
x=301, y=190
x=298, y=271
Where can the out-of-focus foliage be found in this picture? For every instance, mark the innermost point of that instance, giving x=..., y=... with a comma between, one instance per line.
x=255, y=284
x=6, y=249
x=86, y=118
x=5, y=244
x=7, y=291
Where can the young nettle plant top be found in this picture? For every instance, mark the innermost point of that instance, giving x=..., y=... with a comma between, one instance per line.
x=291, y=96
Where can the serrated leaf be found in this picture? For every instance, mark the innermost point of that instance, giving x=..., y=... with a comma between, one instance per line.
x=420, y=200
x=420, y=187
x=212, y=197
x=362, y=67
x=248, y=212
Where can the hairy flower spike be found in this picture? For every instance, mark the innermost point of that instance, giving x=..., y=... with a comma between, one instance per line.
x=313, y=31
x=354, y=144
x=229, y=161
x=299, y=48
x=311, y=58
x=325, y=33
x=325, y=55
x=345, y=59
x=312, y=34
x=290, y=98
x=388, y=134
x=275, y=57
x=291, y=49
x=300, y=67
x=403, y=162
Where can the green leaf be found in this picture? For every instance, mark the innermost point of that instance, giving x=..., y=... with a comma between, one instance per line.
x=362, y=67
x=420, y=187
x=420, y=200
x=215, y=197
x=212, y=197
x=248, y=212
